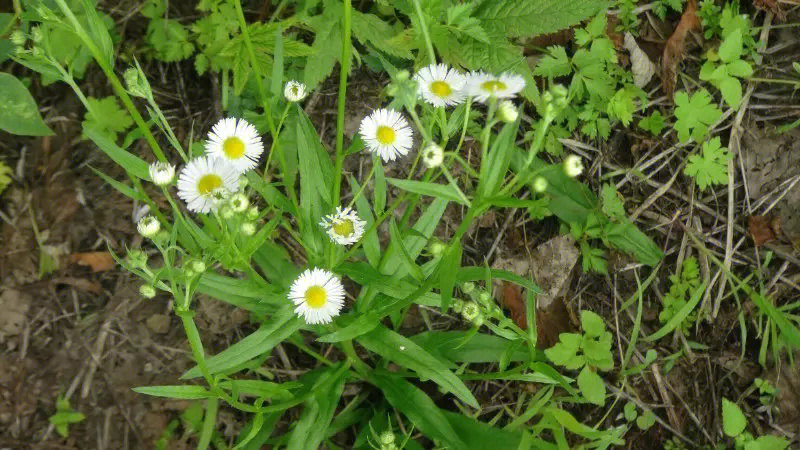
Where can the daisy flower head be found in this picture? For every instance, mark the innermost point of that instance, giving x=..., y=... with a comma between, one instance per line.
x=205, y=181
x=235, y=141
x=344, y=227
x=161, y=173
x=294, y=91
x=386, y=133
x=148, y=226
x=482, y=85
x=318, y=296
x=440, y=85
x=432, y=156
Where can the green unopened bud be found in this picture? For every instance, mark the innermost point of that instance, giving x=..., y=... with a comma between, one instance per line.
x=457, y=305
x=137, y=259
x=470, y=311
x=239, y=202
x=252, y=213
x=161, y=238
x=18, y=38
x=248, y=228
x=485, y=297
x=436, y=248
x=136, y=82
x=226, y=212
x=386, y=438
x=402, y=75
x=36, y=35
x=468, y=287
x=188, y=272
x=507, y=112
x=37, y=52
x=243, y=182
x=539, y=184
x=147, y=291
x=198, y=266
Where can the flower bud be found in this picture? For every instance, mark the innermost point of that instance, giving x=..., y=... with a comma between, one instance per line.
x=198, y=266
x=485, y=297
x=137, y=259
x=147, y=291
x=36, y=35
x=402, y=75
x=252, y=213
x=470, y=311
x=18, y=38
x=294, y=91
x=573, y=166
x=239, y=202
x=436, y=247
x=248, y=228
x=539, y=184
x=468, y=287
x=148, y=226
x=386, y=438
x=507, y=112
x=226, y=212
x=136, y=82
x=432, y=156
x=161, y=173
x=456, y=304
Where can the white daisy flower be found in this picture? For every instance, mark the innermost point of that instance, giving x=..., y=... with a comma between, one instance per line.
x=344, y=227
x=161, y=173
x=482, y=85
x=148, y=226
x=206, y=180
x=573, y=166
x=432, y=156
x=294, y=91
x=318, y=296
x=235, y=141
x=386, y=133
x=441, y=85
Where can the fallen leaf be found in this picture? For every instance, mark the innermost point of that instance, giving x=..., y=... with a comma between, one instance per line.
x=641, y=66
x=511, y=297
x=98, y=261
x=673, y=51
x=81, y=284
x=14, y=304
x=771, y=6
x=760, y=229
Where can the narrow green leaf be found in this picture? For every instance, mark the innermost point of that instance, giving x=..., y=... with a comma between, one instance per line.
x=311, y=428
x=209, y=424
x=280, y=326
x=418, y=408
x=466, y=347
x=184, y=392
x=131, y=163
x=397, y=242
x=441, y=191
x=406, y=353
x=494, y=169
x=119, y=187
x=451, y=262
x=277, y=65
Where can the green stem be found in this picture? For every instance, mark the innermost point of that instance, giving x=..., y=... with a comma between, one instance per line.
x=274, y=146
x=363, y=185
x=254, y=64
x=769, y=80
x=428, y=43
x=455, y=185
x=119, y=90
x=344, y=69
x=360, y=366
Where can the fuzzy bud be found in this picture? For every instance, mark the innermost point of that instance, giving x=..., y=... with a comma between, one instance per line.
x=198, y=266
x=294, y=91
x=18, y=38
x=161, y=173
x=539, y=184
x=148, y=226
x=147, y=291
x=432, y=156
x=137, y=259
x=248, y=228
x=573, y=166
x=136, y=82
x=239, y=202
x=507, y=112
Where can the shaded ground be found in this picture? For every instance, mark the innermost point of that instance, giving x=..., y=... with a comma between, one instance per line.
x=89, y=335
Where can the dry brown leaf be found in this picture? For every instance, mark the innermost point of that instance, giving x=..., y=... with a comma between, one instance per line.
x=771, y=6
x=673, y=51
x=98, y=261
x=760, y=229
x=511, y=297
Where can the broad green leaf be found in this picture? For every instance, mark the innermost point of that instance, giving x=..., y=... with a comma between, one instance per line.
x=592, y=386
x=185, y=392
x=279, y=327
x=481, y=435
x=18, y=111
x=311, y=428
x=466, y=347
x=535, y=17
x=105, y=115
x=731, y=89
x=327, y=46
x=131, y=163
x=740, y=68
x=731, y=48
x=733, y=421
x=277, y=65
x=238, y=292
x=418, y=408
x=441, y=191
x=406, y=353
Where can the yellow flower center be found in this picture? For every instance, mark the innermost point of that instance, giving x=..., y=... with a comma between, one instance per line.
x=233, y=147
x=316, y=297
x=493, y=86
x=343, y=228
x=385, y=135
x=441, y=89
x=208, y=183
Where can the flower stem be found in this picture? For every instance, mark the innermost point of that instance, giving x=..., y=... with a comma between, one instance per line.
x=254, y=65
x=344, y=69
x=428, y=43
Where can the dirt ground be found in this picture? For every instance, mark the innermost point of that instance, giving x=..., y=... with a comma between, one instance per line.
x=83, y=331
